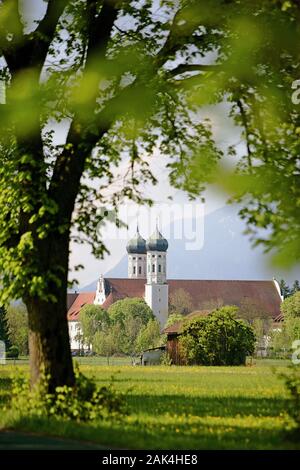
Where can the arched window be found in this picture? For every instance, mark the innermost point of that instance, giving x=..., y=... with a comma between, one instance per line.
x=159, y=268
x=133, y=269
x=140, y=269
x=153, y=268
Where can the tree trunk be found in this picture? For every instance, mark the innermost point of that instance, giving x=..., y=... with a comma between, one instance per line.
x=49, y=345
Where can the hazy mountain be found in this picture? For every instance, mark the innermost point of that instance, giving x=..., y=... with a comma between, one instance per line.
x=226, y=254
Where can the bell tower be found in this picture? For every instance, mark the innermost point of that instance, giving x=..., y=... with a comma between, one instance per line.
x=157, y=289
x=136, y=249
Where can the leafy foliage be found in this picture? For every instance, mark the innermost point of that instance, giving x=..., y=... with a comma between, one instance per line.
x=181, y=302
x=292, y=383
x=122, y=310
x=290, y=307
x=218, y=339
x=149, y=336
x=92, y=319
x=86, y=401
x=4, y=334
x=17, y=322
x=174, y=318
x=108, y=341
x=13, y=352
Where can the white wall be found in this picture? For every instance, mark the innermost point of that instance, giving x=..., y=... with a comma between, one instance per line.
x=100, y=291
x=158, y=261
x=156, y=296
x=74, y=330
x=136, y=266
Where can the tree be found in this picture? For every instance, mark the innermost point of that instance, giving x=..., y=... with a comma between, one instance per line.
x=174, y=318
x=134, y=307
x=131, y=329
x=4, y=331
x=262, y=329
x=258, y=329
x=290, y=307
x=292, y=328
x=284, y=289
x=282, y=339
x=107, y=342
x=17, y=322
x=131, y=314
x=296, y=287
x=181, y=302
x=218, y=339
x=149, y=336
x=108, y=71
x=92, y=318
x=249, y=310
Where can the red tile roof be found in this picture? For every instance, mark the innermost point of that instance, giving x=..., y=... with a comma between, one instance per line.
x=80, y=300
x=71, y=297
x=205, y=294
x=209, y=294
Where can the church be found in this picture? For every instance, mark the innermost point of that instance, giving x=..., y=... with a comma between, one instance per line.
x=147, y=278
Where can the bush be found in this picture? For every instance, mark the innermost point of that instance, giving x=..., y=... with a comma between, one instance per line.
x=13, y=352
x=292, y=383
x=86, y=401
x=218, y=339
x=165, y=359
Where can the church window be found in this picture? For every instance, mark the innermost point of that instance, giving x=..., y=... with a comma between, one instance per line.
x=159, y=256
x=133, y=269
x=140, y=270
x=140, y=257
x=148, y=268
x=153, y=268
x=133, y=257
x=159, y=268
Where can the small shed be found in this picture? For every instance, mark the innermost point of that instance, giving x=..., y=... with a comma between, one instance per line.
x=152, y=357
x=173, y=333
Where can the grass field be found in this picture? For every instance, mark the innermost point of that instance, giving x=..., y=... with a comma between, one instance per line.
x=178, y=408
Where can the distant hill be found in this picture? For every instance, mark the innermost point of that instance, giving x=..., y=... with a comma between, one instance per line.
x=226, y=254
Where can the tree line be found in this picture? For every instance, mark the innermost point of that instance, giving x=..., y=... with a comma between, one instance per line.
x=127, y=327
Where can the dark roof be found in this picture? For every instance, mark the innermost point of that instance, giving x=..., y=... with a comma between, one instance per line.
x=157, y=242
x=137, y=245
x=71, y=297
x=205, y=294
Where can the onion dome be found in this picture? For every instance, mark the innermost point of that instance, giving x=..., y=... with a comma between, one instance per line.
x=137, y=245
x=157, y=242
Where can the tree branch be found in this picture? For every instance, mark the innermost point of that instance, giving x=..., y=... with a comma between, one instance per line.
x=246, y=127
x=30, y=50
x=70, y=165
x=184, y=68
x=180, y=30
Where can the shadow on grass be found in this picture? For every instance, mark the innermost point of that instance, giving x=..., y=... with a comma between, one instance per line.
x=228, y=406
x=163, y=422
x=5, y=389
x=142, y=435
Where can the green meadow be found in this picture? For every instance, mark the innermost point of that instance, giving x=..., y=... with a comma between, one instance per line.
x=177, y=408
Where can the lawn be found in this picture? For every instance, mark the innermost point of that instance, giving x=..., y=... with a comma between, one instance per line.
x=179, y=408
